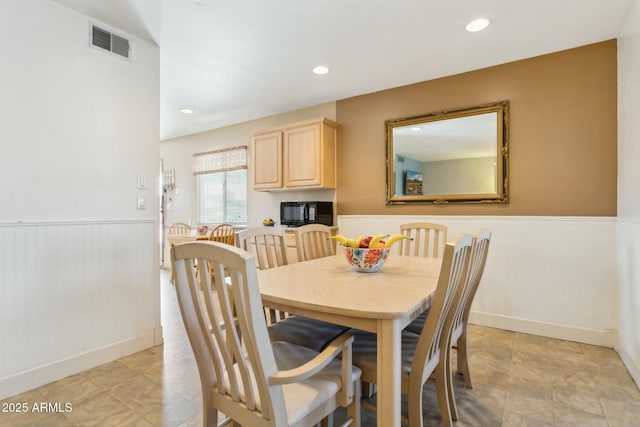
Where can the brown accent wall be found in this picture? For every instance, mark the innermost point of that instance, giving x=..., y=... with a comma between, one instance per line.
x=562, y=135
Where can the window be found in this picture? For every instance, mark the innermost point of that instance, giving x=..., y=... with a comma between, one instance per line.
x=222, y=197
x=222, y=185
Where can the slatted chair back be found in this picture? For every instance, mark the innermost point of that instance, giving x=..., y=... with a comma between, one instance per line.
x=223, y=233
x=179, y=228
x=459, y=336
x=428, y=239
x=425, y=355
x=312, y=241
x=236, y=361
x=266, y=243
x=268, y=246
x=226, y=328
x=432, y=348
x=481, y=240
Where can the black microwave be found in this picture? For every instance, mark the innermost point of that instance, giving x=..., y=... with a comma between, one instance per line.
x=295, y=214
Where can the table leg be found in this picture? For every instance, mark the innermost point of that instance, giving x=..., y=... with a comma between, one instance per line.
x=389, y=381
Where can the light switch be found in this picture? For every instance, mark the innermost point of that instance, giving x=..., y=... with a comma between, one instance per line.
x=141, y=202
x=141, y=181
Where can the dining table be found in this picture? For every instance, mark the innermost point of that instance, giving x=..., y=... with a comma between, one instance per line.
x=176, y=239
x=382, y=302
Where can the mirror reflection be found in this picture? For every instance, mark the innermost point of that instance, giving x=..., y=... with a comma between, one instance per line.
x=452, y=156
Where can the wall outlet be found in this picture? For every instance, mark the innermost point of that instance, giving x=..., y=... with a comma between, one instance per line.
x=141, y=202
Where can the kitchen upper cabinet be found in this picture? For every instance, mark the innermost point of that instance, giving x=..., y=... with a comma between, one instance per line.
x=296, y=156
x=267, y=161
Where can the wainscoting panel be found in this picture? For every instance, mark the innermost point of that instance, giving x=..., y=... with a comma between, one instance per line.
x=628, y=297
x=74, y=291
x=551, y=276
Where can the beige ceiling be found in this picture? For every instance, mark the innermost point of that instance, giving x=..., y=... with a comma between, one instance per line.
x=233, y=61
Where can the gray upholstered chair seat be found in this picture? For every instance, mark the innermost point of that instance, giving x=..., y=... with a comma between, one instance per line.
x=302, y=331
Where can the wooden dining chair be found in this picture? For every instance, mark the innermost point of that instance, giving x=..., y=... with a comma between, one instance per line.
x=427, y=353
x=267, y=244
x=223, y=233
x=179, y=228
x=458, y=338
x=312, y=241
x=427, y=239
x=242, y=374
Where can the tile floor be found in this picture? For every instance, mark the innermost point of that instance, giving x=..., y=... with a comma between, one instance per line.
x=519, y=380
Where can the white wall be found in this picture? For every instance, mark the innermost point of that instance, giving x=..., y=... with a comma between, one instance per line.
x=78, y=126
x=628, y=233
x=543, y=275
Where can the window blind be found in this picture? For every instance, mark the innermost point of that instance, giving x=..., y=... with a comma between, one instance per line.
x=227, y=159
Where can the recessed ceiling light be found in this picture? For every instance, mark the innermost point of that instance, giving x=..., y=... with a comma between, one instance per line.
x=320, y=69
x=477, y=25
x=187, y=111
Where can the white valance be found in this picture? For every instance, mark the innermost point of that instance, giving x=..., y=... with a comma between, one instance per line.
x=227, y=159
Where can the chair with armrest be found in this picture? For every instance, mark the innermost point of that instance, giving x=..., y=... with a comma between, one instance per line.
x=242, y=374
x=428, y=239
x=427, y=353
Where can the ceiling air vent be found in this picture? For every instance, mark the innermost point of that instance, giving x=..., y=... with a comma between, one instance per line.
x=108, y=41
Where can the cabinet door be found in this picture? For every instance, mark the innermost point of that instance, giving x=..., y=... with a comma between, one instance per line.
x=267, y=161
x=303, y=156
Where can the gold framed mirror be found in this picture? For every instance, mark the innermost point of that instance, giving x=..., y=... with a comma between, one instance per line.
x=454, y=156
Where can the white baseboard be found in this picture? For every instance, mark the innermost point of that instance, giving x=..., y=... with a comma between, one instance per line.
x=634, y=370
x=36, y=377
x=602, y=338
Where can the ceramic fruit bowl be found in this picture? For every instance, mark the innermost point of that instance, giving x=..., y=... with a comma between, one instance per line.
x=366, y=260
x=202, y=230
